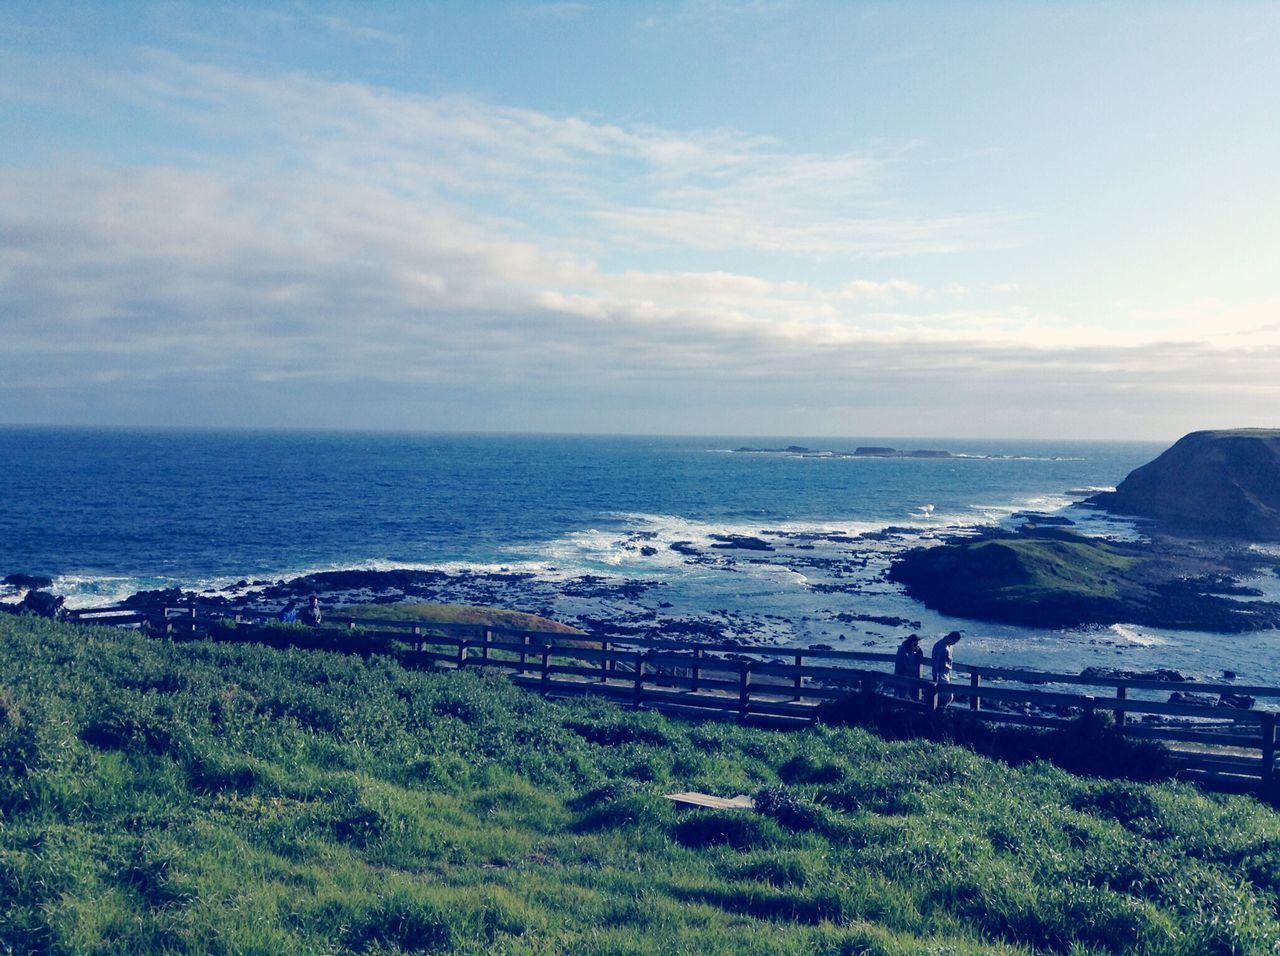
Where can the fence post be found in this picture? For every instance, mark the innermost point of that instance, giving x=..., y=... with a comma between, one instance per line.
x=417, y=639
x=1268, y=721
x=524, y=651
x=1122, y=693
x=462, y=653
x=488, y=639
x=744, y=690
x=604, y=661
x=799, y=676
x=914, y=691
x=638, y=694
x=975, y=701
x=546, y=669
x=931, y=698
x=1089, y=702
x=697, y=668
x=866, y=684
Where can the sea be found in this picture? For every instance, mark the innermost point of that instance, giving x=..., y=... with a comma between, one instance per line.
x=784, y=544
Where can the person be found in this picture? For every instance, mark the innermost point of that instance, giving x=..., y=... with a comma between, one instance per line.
x=312, y=614
x=906, y=663
x=943, y=661
x=290, y=612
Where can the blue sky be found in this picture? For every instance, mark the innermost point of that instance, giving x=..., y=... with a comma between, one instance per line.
x=771, y=218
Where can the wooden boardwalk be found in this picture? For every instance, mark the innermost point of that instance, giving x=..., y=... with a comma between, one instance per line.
x=1216, y=743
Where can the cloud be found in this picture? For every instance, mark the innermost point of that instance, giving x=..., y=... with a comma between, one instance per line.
x=347, y=237
x=343, y=27
x=705, y=190
x=548, y=11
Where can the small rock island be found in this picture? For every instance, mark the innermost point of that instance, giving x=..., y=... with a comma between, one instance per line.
x=1207, y=499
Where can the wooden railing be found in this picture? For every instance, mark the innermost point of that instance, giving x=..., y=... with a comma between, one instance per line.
x=1218, y=744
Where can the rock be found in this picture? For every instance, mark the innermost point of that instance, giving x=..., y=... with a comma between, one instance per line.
x=1214, y=483
x=887, y=621
x=740, y=542
x=1199, y=700
x=1036, y=518
x=162, y=597
x=1239, y=701
x=32, y=582
x=41, y=604
x=1228, y=675
x=1160, y=674
x=685, y=548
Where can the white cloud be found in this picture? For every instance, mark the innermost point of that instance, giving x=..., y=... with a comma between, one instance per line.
x=341, y=234
x=344, y=27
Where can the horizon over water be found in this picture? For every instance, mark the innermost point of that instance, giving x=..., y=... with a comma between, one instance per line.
x=106, y=512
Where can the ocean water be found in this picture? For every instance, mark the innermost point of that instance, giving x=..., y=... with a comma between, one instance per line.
x=108, y=512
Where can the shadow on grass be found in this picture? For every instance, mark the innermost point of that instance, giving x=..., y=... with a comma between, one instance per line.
x=1090, y=744
x=297, y=635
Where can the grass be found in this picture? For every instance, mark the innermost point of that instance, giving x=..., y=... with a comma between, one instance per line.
x=160, y=797
x=1082, y=569
x=460, y=614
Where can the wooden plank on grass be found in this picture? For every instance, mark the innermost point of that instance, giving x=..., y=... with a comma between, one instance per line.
x=740, y=802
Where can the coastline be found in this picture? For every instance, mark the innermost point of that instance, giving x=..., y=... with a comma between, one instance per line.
x=793, y=586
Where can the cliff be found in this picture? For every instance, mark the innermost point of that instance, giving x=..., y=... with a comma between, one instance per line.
x=1214, y=483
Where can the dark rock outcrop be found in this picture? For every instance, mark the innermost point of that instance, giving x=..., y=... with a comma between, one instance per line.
x=742, y=542
x=34, y=582
x=1051, y=578
x=1215, y=483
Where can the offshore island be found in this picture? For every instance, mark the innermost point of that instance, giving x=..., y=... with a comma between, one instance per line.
x=862, y=451
x=1204, y=506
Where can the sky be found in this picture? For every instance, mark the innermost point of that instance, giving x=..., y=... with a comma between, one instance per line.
x=763, y=217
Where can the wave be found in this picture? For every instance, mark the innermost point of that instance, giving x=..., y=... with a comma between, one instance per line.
x=1132, y=635
x=627, y=545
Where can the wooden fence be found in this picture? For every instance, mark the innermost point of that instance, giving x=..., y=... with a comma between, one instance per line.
x=1219, y=744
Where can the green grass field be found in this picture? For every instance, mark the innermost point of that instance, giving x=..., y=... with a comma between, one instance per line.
x=1082, y=569
x=160, y=797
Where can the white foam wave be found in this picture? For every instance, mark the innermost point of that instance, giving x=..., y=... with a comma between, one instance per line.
x=1131, y=635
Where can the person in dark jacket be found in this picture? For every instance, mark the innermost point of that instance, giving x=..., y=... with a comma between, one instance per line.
x=906, y=663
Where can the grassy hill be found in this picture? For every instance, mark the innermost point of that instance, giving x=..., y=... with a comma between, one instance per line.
x=1045, y=581
x=1054, y=579
x=227, y=798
